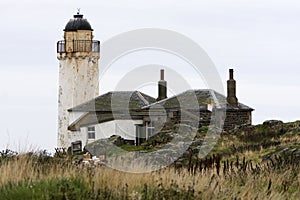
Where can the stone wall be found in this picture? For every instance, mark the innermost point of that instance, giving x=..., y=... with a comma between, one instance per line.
x=236, y=118
x=203, y=118
x=231, y=119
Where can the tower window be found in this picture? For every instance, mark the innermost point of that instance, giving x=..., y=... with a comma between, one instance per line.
x=91, y=133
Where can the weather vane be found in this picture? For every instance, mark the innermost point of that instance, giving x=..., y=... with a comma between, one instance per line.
x=78, y=11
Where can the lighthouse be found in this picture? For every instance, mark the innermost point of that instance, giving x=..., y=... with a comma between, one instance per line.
x=78, y=56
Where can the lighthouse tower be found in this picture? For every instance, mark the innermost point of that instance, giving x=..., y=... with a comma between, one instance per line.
x=78, y=56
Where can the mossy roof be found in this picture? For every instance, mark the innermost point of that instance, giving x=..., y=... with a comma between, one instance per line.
x=116, y=101
x=197, y=99
x=120, y=101
x=135, y=105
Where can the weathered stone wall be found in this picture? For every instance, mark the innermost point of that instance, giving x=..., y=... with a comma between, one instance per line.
x=205, y=117
x=202, y=117
x=231, y=118
x=236, y=118
x=71, y=36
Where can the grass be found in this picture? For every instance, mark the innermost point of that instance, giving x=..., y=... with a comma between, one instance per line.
x=63, y=188
x=40, y=176
x=26, y=177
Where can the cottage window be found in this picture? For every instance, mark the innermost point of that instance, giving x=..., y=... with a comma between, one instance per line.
x=91, y=133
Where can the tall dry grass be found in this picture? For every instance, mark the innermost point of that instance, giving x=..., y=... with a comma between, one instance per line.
x=168, y=183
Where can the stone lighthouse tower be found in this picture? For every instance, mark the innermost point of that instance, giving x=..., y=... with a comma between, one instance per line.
x=78, y=56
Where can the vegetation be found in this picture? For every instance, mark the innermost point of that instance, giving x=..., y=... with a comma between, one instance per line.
x=239, y=167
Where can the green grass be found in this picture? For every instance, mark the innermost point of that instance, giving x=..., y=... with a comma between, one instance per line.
x=73, y=188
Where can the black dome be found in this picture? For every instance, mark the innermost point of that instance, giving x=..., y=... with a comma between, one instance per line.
x=78, y=23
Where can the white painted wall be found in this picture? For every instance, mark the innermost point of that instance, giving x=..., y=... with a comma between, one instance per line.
x=124, y=128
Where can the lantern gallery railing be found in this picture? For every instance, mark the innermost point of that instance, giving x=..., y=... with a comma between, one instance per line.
x=78, y=46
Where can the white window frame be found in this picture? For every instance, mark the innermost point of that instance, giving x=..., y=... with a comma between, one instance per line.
x=92, y=131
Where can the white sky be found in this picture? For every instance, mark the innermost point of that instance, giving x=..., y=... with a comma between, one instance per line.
x=259, y=39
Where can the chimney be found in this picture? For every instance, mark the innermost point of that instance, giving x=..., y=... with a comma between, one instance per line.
x=162, y=86
x=231, y=90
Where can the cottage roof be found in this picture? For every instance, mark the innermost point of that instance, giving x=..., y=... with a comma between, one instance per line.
x=111, y=106
x=135, y=104
x=197, y=99
x=116, y=101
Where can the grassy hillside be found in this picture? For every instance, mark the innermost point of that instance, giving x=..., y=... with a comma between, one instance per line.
x=251, y=162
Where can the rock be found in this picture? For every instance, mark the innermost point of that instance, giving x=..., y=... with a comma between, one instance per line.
x=99, y=147
x=273, y=123
x=87, y=156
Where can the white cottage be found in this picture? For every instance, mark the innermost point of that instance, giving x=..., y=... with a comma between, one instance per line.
x=114, y=113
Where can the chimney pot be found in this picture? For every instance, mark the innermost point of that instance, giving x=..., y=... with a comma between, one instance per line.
x=162, y=86
x=162, y=74
x=231, y=74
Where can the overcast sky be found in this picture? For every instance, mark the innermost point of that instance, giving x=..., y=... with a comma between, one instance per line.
x=259, y=39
